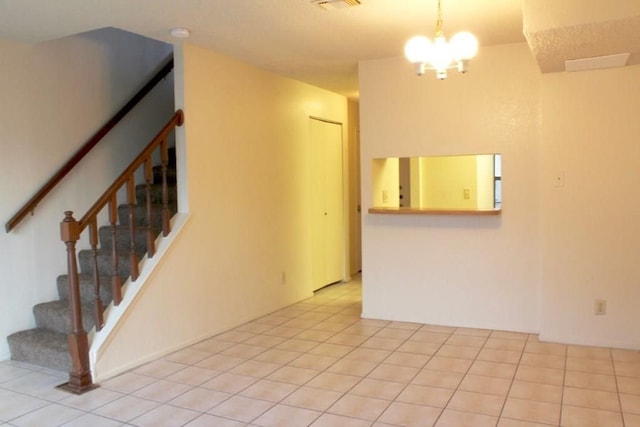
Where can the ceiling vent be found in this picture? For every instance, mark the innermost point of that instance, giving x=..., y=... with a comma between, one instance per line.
x=597, y=63
x=335, y=4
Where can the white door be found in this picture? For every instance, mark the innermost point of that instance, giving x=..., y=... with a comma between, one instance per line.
x=327, y=228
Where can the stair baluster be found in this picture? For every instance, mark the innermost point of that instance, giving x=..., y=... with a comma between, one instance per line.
x=98, y=309
x=166, y=214
x=148, y=176
x=131, y=200
x=116, y=280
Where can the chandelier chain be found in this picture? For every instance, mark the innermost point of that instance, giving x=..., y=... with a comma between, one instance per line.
x=439, y=21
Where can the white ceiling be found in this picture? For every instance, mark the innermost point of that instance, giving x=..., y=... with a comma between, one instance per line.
x=299, y=39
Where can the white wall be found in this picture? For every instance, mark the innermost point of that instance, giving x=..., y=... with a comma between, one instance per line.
x=591, y=242
x=554, y=251
x=55, y=95
x=246, y=165
x=478, y=271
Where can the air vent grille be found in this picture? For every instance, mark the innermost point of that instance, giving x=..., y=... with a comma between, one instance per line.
x=336, y=4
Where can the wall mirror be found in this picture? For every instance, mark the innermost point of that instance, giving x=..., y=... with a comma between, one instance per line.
x=462, y=184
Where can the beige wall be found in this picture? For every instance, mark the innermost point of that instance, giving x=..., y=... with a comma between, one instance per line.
x=540, y=266
x=246, y=168
x=455, y=270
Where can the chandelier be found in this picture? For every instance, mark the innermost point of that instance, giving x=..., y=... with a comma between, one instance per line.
x=440, y=55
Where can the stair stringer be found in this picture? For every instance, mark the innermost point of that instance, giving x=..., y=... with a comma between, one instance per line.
x=132, y=292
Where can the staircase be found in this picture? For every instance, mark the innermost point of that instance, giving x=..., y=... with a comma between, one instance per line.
x=46, y=345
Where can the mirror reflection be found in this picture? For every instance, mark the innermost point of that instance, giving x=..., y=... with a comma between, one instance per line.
x=463, y=182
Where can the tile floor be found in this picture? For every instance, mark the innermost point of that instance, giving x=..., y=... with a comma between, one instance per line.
x=316, y=363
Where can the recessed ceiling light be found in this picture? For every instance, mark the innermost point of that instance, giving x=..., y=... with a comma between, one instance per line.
x=181, y=33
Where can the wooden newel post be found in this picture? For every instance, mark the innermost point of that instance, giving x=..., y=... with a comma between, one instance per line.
x=80, y=376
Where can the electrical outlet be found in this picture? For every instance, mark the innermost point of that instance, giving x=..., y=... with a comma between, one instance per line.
x=284, y=278
x=385, y=196
x=600, y=307
x=466, y=193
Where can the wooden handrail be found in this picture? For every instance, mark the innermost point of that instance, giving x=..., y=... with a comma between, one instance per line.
x=84, y=150
x=80, y=379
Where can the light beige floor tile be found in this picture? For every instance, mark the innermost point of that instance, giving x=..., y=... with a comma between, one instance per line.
x=628, y=385
x=281, y=415
x=238, y=336
x=493, y=369
x=483, y=384
x=594, y=366
x=573, y=416
x=330, y=326
x=328, y=349
x=286, y=332
x=220, y=362
x=543, y=360
x=540, y=375
x=127, y=382
x=272, y=391
x=531, y=410
x=336, y=382
x=347, y=339
x=13, y=405
x=394, y=333
x=208, y=420
x=591, y=399
x=253, y=328
x=451, y=418
x=126, y=408
x=243, y=351
x=590, y=381
x=628, y=369
x=368, y=355
x=276, y=356
x=477, y=403
x=546, y=348
x=50, y=415
x=297, y=345
x=457, y=351
x=430, y=337
x=407, y=359
x=506, y=422
x=507, y=335
x=631, y=420
x=352, y=367
x=229, y=383
x=405, y=325
x=193, y=375
x=362, y=329
x=266, y=341
x=441, y=379
x=293, y=375
x=466, y=340
x=312, y=398
x=502, y=356
x=438, y=329
x=254, y=368
x=362, y=407
x=386, y=372
x=408, y=415
x=419, y=347
x=91, y=420
x=187, y=356
x=331, y=420
x=424, y=395
x=630, y=403
x=212, y=345
x=588, y=352
x=474, y=332
x=200, y=399
x=625, y=355
x=504, y=344
x=386, y=390
x=382, y=343
x=165, y=416
x=536, y=391
x=90, y=401
x=159, y=368
x=162, y=391
x=314, y=335
x=449, y=364
x=313, y=361
x=241, y=408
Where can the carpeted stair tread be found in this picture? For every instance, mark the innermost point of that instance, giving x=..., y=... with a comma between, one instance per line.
x=55, y=315
x=156, y=194
x=42, y=347
x=87, y=289
x=140, y=214
x=123, y=237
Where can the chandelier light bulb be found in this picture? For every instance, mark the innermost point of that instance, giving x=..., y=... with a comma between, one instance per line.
x=464, y=46
x=417, y=49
